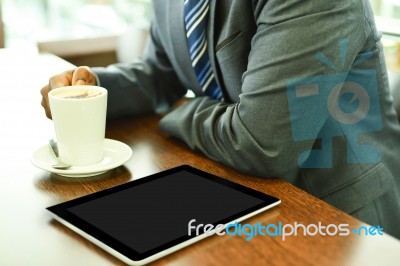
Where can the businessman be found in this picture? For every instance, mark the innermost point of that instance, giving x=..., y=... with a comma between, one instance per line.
x=269, y=78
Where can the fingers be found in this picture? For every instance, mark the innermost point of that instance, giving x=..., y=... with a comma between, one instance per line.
x=80, y=76
x=45, y=100
x=61, y=80
x=83, y=75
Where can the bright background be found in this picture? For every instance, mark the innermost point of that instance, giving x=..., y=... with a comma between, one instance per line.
x=26, y=22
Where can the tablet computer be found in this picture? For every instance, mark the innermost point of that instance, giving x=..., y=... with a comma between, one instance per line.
x=145, y=219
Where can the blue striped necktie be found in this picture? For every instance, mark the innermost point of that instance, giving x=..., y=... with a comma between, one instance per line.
x=196, y=13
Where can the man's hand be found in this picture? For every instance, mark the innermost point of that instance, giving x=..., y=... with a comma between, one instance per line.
x=79, y=76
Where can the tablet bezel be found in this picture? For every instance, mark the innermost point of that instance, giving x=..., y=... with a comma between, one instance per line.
x=131, y=256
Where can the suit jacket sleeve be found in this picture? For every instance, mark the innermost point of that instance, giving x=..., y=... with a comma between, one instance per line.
x=147, y=85
x=254, y=134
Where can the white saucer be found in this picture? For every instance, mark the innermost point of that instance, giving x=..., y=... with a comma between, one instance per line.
x=115, y=154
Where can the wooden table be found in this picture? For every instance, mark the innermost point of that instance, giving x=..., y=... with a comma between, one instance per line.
x=29, y=236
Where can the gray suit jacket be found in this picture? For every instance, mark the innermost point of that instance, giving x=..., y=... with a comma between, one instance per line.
x=258, y=50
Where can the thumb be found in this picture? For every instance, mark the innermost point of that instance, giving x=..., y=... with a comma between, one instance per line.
x=80, y=82
x=82, y=76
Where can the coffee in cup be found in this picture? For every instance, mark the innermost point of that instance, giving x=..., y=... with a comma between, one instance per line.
x=78, y=93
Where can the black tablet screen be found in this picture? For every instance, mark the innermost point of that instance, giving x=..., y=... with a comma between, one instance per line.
x=154, y=212
x=157, y=212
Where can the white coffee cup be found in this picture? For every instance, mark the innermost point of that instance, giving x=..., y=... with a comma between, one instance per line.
x=79, y=116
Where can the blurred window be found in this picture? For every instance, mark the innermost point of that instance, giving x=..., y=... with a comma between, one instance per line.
x=386, y=8
x=27, y=22
x=387, y=16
